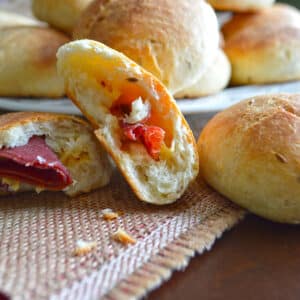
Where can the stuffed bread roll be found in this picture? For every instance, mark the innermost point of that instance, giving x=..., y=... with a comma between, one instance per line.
x=135, y=118
x=41, y=151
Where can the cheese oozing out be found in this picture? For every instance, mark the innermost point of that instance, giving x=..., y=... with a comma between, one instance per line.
x=139, y=111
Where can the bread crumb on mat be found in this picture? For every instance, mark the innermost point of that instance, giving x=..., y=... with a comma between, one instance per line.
x=83, y=247
x=123, y=237
x=108, y=214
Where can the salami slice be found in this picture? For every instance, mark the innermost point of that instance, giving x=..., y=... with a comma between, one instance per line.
x=34, y=163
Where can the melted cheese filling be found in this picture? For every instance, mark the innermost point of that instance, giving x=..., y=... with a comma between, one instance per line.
x=139, y=111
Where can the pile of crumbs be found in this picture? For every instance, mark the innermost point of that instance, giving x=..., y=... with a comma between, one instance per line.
x=121, y=236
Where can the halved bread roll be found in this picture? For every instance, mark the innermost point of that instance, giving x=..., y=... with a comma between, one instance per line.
x=135, y=118
x=264, y=47
x=41, y=151
x=240, y=5
x=215, y=79
x=250, y=153
x=176, y=40
x=28, y=62
x=61, y=14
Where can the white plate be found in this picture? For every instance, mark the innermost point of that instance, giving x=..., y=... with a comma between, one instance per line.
x=212, y=103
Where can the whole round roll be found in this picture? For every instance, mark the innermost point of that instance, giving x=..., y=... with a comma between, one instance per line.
x=264, y=47
x=250, y=153
x=28, y=62
x=240, y=5
x=176, y=40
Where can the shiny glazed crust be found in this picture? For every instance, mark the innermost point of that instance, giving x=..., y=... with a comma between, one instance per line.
x=250, y=153
x=176, y=40
x=28, y=62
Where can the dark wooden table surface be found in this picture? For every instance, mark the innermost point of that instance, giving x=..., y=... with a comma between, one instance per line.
x=257, y=260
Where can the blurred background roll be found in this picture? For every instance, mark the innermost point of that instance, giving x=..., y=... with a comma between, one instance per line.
x=213, y=80
x=264, y=47
x=28, y=62
x=176, y=40
x=61, y=14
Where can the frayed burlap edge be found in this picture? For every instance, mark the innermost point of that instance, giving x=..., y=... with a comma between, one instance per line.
x=176, y=255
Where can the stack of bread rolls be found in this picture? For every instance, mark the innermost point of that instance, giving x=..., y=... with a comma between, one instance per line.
x=179, y=42
x=176, y=40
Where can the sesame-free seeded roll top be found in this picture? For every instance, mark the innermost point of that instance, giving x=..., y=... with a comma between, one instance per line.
x=135, y=118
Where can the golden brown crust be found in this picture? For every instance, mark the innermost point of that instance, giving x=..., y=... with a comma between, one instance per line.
x=10, y=120
x=257, y=39
x=269, y=18
x=263, y=47
x=250, y=153
x=150, y=34
x=59, y=14
x=28, y=61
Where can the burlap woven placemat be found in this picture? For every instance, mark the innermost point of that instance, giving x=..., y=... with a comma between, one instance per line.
x=38, y=235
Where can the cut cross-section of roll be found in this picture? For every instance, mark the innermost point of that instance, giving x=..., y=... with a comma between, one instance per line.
x=135, y=118
x=40, y=151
